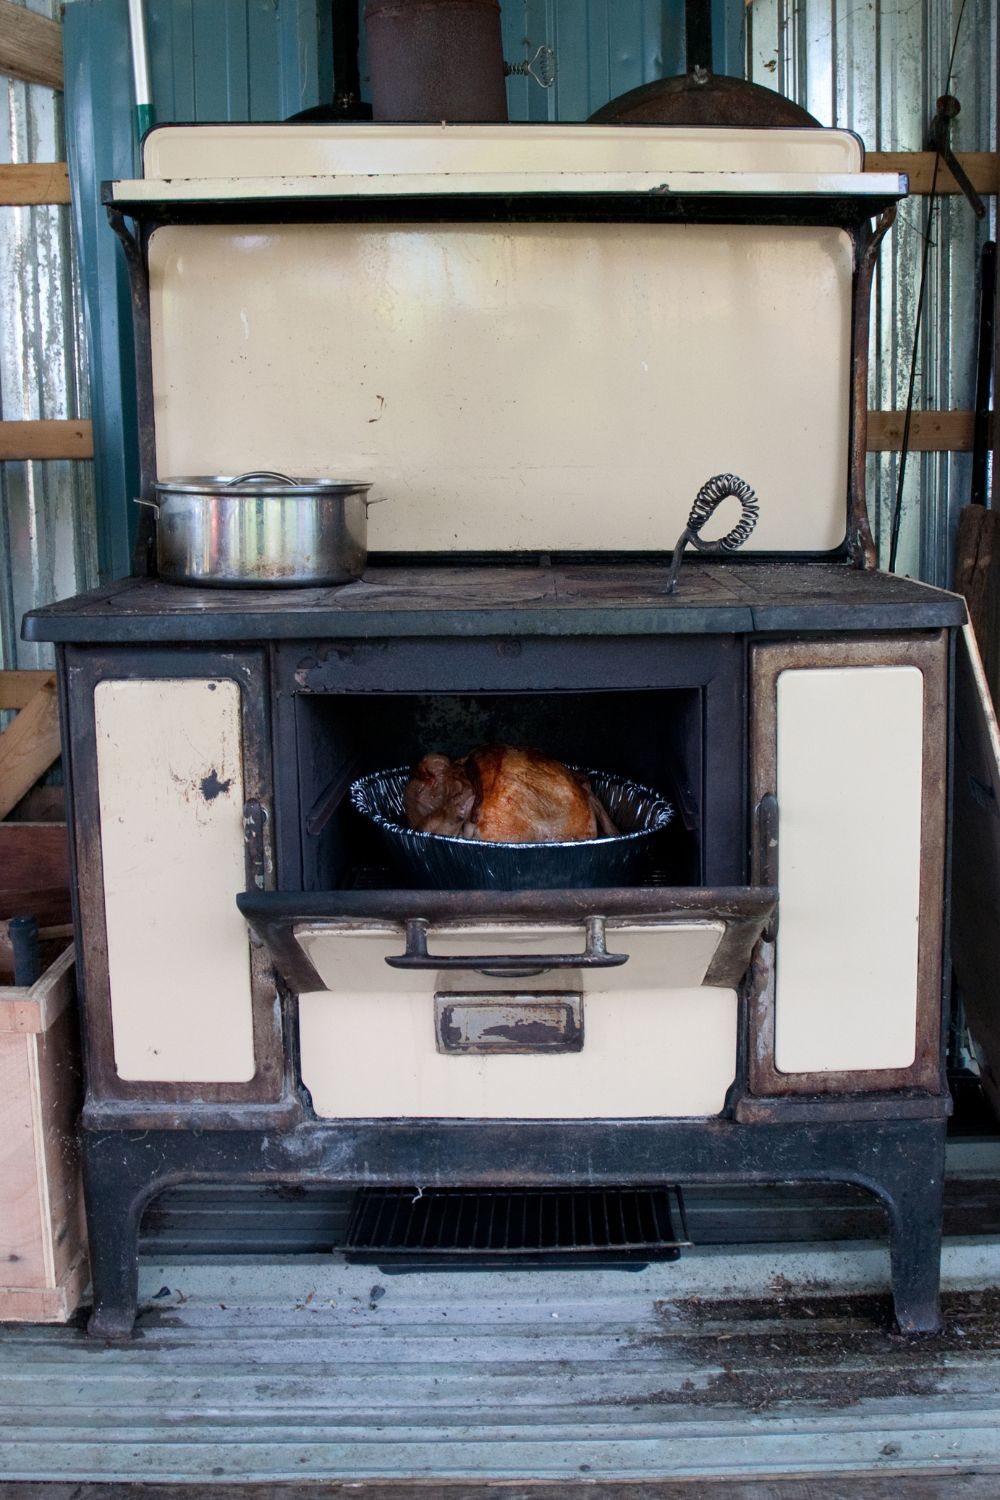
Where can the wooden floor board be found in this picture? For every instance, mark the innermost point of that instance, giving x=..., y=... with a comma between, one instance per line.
x=937, y=1486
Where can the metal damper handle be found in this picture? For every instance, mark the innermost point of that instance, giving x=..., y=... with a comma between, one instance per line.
x=708, y=499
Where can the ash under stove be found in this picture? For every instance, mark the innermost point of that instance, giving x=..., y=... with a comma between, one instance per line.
x=406, y=1228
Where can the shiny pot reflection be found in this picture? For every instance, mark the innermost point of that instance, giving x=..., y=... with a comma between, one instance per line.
x=260, y=530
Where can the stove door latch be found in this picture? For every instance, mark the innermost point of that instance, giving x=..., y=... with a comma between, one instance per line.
x=260, y=864
x=708, y=499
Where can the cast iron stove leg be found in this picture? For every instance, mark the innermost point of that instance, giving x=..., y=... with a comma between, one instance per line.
x=118, y=1186
x=913, y=1193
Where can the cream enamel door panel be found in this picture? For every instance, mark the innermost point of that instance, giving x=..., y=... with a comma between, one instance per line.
x=171, y=794
x=850, y=885
x=661, y=954
x=218, y=151
x=855, y=756
x=656, y=1041
x=515, y=386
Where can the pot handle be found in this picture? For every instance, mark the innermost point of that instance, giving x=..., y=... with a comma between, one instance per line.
x=711, y=495
x=260, y=474
x=138, y=500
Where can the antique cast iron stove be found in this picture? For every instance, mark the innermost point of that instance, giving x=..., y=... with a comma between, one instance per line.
x=536, y=343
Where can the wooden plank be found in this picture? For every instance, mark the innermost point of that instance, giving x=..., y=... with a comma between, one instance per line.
x=22, y=1249
x=31, y=46
x=29, y=745
x=18, y=688
x=69, y=438
x=28, y=183
x=50, y=905
x=982, y=167
x=42, y=1233
x=34, y=855
x=32, y=1010
x=22, y=1304
x=48, y=182
x=43, y=804
x=938, y=1485
x=930, y=431
x=59, y=1099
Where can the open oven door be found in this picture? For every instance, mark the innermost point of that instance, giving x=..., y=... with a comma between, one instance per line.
x=526, y=1004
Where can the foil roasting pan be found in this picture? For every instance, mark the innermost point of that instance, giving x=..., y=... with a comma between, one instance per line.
x=434, y=861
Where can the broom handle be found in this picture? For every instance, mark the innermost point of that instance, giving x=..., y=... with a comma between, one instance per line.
x=140, y=69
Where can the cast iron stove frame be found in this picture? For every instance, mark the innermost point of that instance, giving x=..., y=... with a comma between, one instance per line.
x=890, y=1142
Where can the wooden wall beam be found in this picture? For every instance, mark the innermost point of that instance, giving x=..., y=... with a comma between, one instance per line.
x=33, y=182
x=46, y=439
x=930, y=431
x=29, y=745
x=18, y=688
x=982, y=167
x=31, y=46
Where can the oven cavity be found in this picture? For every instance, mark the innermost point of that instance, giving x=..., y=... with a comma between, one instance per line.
x=651, y=738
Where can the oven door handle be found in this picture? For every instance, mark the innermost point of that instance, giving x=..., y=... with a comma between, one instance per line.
x=594, y=956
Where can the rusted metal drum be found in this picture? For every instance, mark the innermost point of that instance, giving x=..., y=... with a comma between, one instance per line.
x=435, y=60
x=702, y=98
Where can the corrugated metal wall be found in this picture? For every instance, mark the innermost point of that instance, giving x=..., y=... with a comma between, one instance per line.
x=878, y=69
x=604, y=48
x=48, y=542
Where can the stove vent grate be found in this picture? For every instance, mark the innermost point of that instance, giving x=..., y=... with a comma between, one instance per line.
x=402, y=1227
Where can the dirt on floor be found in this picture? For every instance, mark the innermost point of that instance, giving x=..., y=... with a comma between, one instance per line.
x=825, y=1350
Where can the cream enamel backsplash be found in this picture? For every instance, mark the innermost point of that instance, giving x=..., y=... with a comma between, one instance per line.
x=532, y=386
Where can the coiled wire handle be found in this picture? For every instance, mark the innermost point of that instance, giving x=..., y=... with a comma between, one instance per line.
x=541, y=67
x=711, y=495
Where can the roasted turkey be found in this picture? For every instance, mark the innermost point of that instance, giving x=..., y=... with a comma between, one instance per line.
x=505, y=793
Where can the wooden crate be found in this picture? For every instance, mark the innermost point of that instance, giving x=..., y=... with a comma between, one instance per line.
x=34, y=855
x=43, y=1263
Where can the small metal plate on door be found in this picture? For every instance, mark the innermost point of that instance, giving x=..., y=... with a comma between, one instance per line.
x=495, y=1021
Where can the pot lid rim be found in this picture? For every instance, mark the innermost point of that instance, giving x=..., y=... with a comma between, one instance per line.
x=232, y=484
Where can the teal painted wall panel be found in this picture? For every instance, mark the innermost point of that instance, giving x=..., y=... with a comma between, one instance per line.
x=604, y=48
x=99, y=144
x=210, y=60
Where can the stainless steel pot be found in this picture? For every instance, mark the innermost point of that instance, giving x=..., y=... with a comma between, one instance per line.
x=260, y=530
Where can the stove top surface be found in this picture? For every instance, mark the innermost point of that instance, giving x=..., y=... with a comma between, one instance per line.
x=561, y=599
